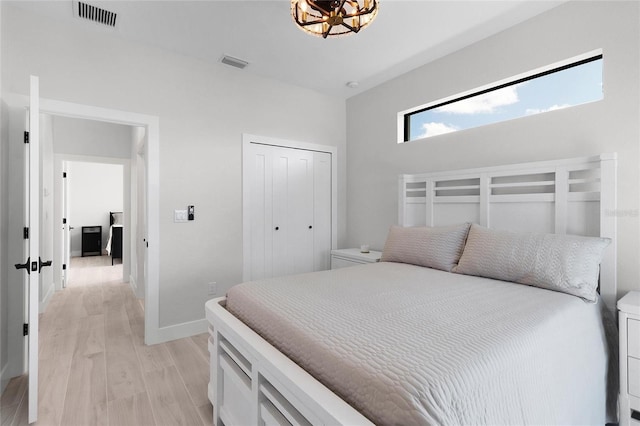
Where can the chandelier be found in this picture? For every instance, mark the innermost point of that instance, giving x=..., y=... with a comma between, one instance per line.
x=333, y=17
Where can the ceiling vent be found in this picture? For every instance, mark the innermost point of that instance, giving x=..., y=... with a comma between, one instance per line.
x=234, y=62
x=95, y=14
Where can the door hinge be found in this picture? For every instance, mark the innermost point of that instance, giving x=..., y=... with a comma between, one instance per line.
x=64, y=266
x=25, y=233
x=64, y=220
x=64, y=174
x=26, y=137
x=25, y=329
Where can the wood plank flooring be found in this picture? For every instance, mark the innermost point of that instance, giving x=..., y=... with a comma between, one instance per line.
x=95, y=368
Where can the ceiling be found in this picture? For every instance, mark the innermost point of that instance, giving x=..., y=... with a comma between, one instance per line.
x=405, y=35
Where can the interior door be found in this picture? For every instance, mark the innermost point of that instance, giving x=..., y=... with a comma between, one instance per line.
x=66, y=234
x=32, y=245
x=289, y=211
x=300, y=195
x=141, y=228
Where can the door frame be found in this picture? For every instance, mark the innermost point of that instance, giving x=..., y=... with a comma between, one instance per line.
x=58, y=168
x=247, y=140
x=153, y=333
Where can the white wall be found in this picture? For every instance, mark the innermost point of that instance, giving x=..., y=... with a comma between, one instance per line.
x=88, y=137
x=612, y=125
x=203, y=110
x=95, y=189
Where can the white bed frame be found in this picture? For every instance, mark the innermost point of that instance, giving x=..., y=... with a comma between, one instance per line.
x=252, y=383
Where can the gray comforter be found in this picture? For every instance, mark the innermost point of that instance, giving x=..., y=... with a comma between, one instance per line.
x=410, y=345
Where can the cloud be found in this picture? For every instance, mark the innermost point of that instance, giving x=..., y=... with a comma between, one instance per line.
x=434, y=129
x=486, y=103
x=531, y=111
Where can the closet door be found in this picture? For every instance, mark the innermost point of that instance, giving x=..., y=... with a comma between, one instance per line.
x=290, y=211
x=260, y=211
x=322, y=210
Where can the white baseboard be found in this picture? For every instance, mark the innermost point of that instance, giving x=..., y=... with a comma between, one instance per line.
x=134, y=285
x=4, y=381
x=47, y=297
x=76, y=253
x=178, y=331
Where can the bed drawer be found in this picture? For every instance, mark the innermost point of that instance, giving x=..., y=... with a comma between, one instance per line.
x=236, y=387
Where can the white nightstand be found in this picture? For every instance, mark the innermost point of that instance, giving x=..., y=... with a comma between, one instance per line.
x=352, y=256
x=629, y=326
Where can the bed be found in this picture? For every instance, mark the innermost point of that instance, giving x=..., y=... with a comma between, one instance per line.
x=400, y=343
x=114, y=244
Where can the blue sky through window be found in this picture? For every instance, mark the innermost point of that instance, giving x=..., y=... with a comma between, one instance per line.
x=562, y=89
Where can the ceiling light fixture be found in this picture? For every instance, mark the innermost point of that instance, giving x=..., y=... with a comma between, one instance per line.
x=333, y=17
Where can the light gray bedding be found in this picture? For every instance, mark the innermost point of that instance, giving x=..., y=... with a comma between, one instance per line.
x=406, y=345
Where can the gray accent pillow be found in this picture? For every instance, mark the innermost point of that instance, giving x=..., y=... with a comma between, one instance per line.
x=437, y=247
x=566, y=263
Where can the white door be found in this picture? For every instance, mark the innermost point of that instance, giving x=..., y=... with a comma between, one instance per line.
x=289, y=211
x=141, y=227
x=299, y=211
x=322, y=208
x=33, y=262
x=66, y=231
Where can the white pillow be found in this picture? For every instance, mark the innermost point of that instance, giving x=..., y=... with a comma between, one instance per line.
x=566, y=263
x=437, y=247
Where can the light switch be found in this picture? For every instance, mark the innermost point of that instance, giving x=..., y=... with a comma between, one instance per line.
x=179, y=216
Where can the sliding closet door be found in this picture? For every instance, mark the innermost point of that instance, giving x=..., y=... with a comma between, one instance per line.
x=290, y=211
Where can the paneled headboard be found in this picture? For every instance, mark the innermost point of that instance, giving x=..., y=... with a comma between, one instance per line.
x=572, y=196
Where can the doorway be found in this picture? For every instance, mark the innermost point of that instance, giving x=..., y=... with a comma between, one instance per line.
x=93, y=213
x=150, y=124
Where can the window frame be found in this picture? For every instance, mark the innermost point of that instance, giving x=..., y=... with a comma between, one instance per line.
x=404, y=117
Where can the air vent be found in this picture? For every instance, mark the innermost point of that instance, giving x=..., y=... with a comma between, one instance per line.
x=95, y=14
x=234, y=62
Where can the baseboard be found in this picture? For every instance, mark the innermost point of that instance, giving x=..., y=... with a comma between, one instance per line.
x=134, y=285
x=45, y=301
x=4, y=381
x=178, y=331
x=76, y=253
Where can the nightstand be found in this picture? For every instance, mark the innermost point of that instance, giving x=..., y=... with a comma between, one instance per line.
x=352, y=256
x=629, y=327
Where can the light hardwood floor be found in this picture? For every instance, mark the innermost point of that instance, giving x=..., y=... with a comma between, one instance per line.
x=95, y=368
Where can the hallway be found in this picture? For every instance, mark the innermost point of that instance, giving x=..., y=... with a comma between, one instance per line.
x=95, y=368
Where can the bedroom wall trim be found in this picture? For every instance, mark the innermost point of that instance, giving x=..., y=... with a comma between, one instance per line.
x=4, y=380
x=179, y=331
x=569, y=196
x=134, y=284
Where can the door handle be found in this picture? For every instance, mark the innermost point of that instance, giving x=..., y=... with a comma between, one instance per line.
x=25, y=265
x=43, y=264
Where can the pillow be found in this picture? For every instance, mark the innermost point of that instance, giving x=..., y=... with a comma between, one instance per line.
x=565, y=263
x=438, y=247
x=117, y=218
